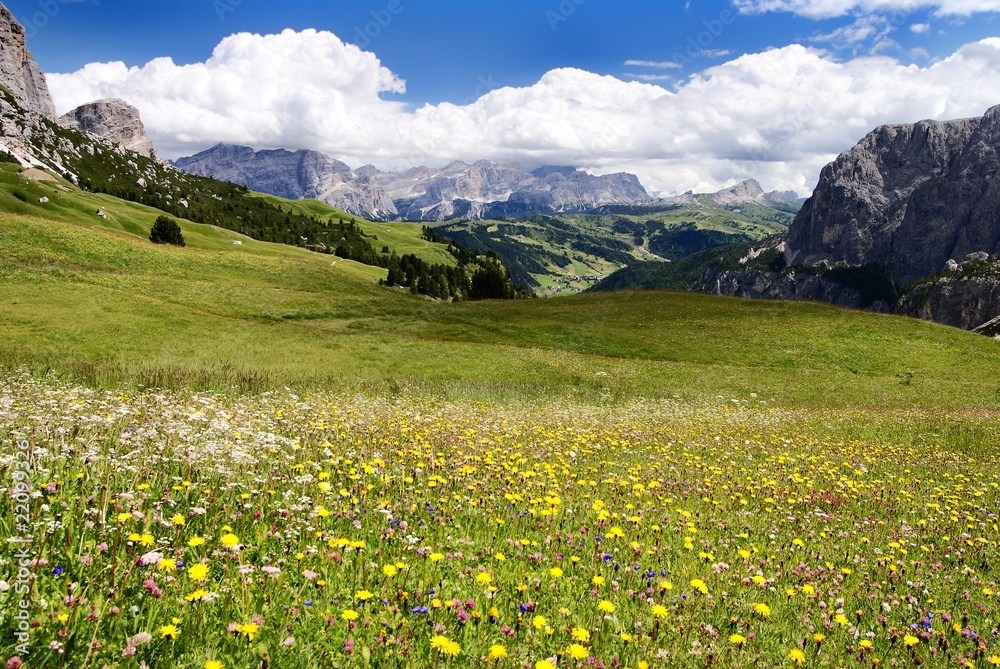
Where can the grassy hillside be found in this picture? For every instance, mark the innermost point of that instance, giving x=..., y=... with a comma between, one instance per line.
x=569, y=253
x=94, y=298
x=402, y=238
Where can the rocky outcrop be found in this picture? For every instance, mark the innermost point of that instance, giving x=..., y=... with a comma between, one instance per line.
x=966, y=296
x=907, y=197
x=484, y=189
x=294, y=175
x=18, y=70
x=115, y=120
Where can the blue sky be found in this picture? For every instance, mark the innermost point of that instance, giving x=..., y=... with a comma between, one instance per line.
x=686, y=95
x=451, y=50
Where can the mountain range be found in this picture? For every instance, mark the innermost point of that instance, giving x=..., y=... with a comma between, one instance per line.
x=485, y=189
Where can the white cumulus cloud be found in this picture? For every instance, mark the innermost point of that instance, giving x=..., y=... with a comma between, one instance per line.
x=820, y=9
x=778, y=116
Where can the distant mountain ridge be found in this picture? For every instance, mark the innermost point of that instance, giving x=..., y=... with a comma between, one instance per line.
x=294, y=175
x=485, y=189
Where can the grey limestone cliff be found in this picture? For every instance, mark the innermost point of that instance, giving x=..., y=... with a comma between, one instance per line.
x=18, y=70
x=905, y=202
x=114, y=120
x=294, y=175
x=907, y=197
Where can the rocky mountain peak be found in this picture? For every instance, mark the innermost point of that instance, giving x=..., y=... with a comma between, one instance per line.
x=112, y=119
x=294, y=175
x=18, y=70
x=907, y=197
x=743, y=192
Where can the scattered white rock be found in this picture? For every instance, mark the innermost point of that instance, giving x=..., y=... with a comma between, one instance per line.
x=237, y=243
x=43, y=199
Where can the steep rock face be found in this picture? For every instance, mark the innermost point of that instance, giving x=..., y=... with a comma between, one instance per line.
x=294, y=175
x=963, y=303
x=908, y=197
x=18, y=70
x=115, y=120
x=966, y=295
x=782, y=286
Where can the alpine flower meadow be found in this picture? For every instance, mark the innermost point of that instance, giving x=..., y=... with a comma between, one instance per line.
x=205, y=530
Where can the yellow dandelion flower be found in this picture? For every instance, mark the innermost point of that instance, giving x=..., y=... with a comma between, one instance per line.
x=700, y=586
x=198, y=572
x=797, y=656
x=168, y=632
x=390, y=570
x=556, y=572
x=363, y=595
x=910, y=640
x=598, y=581
x=349, y=614
x=605, y=606
x=178, y=520
x=197, y=596
x=539, y=622
x=659, y=610
x=578, y=652
x=249, y=630
x=544, y=664
x=737, y=639
x=497, y=652
x=229, y=540
x=194, y=542
x=213, y=664
x=763, y=610
x=581, y=634
x=445, y=646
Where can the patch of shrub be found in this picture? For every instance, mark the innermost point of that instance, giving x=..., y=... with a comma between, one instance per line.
x=166, y=231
